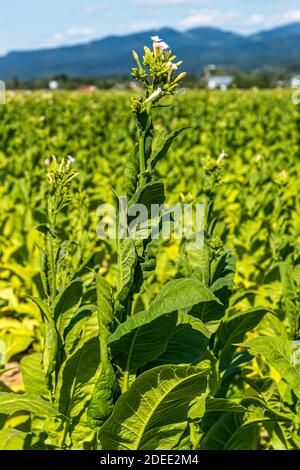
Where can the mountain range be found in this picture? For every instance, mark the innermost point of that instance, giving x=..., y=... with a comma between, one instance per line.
x=111, y=56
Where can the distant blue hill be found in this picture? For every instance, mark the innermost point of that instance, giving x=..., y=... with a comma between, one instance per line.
x=111, y=56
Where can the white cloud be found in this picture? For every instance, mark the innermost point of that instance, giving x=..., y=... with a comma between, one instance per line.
x=290, y=16
x=201, y=18
x=277, y=19
x=220, y=19
x=74, y=33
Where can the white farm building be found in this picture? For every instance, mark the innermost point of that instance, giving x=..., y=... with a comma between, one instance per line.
x=295, y=82
x=219, y=82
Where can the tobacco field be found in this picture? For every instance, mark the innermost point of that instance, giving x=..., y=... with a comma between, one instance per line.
x=143, y=344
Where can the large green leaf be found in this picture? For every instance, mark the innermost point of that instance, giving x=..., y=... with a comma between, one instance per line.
x=234, y=370
x=12, y=402
x=221, y=404
x=203, y=405
x=34, y=375
x=235, y=437
x=221, y=286
x=232, y=330
x=75, y=331
x=104, y=395
x=161, y=144
x=106, y=388
x=12, y=344
x=137, y=342
x=13, y=439
x=187, y=343
x=144, y=337
x=153, y=413
x=66, y=303
x=280, y=355
x=181, y=294
x=151, y=193
x=52, y=339
x=288, y=286
x=132, y=172
x=261, y=406
x=290, y=299
x=77, y=379
x=227, y=433
x=127, y=263
x=245, y=438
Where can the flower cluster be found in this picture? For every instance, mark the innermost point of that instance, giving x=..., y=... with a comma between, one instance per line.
x=213, y=170
x=157, y=73
x=214, y=167
x=60, y=175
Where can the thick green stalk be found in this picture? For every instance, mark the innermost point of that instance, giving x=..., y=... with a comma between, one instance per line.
x=52, y=209
x=142, y=145
x=64, y=434
x=51, y=251
x=142, y=139
x=127, y=370
x=194, y=436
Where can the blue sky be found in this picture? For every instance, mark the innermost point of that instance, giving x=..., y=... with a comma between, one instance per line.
x=30, y=24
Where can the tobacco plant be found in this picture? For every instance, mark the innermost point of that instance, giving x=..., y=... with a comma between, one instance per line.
x=125, y=366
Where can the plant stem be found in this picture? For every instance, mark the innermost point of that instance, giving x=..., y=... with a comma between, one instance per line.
x=142, y=142
x=142, y=158
x=63, y=438
x=52, y=210
x=134, y=303
x=125, y=381
x=194, y=437
x=128, y=362
x=53, y=269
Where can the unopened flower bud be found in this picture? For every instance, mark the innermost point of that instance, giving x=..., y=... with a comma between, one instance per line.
x=180, y=77
x=136, y=58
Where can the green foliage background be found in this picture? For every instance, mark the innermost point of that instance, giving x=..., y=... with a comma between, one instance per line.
x=257, y=208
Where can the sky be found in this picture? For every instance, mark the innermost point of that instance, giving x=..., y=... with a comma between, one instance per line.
x=34, y=24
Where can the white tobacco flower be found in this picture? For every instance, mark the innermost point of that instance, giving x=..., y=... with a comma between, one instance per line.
x=162, y=46
x=222, y=156
x=156, y=39
x=71, y=159
x=172, y=66
x=154, y=95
